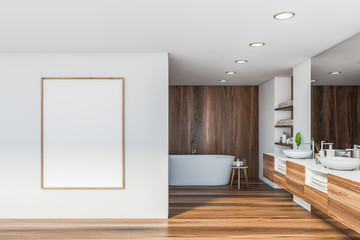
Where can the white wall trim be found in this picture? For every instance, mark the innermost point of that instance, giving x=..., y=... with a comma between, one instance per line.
x=270, y=183
x=302, y=203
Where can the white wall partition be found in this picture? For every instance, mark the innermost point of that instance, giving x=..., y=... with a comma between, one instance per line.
x=266, y=122
x=145, y=193
x=302, y=100
x=271, y=93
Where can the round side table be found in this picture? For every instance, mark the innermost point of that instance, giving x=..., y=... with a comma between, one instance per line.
x=239, y=175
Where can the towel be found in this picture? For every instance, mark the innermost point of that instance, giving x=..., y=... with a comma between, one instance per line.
x=285, y=122
x=282, y=166
x=282, y=169
x=317, y=186
x=285, y=104
x=320, y=178
x=317, y=182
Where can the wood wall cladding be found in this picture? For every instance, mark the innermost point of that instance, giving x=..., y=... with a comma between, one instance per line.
x=335, y=114
x=215, y=120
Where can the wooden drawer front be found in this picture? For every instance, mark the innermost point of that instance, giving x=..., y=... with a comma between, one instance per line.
x=268, y=173
x=345, y=213
x=295, y=187
x=279, y=179
x=268, y=166
x=316, y=198
x=295, y=171
x=268, y=161
x=346, y=190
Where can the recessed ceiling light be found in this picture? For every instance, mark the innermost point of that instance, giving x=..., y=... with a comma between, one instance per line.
x=284, y=15
x=313, y=80
x=241, y=61
x=230, y=73
x=223, y=81
x=257, y=44
x=334, y=73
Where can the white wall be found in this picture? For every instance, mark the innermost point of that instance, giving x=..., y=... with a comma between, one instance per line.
x=146, y=136
x=302, y=100
x=271, y=93
x=266, y=121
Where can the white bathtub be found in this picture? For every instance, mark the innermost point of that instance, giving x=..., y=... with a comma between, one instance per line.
x=199, y=170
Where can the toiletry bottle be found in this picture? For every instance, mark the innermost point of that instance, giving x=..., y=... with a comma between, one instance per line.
x=238, y=162
x=283, y=138
x=356, y=151
x=244, y=161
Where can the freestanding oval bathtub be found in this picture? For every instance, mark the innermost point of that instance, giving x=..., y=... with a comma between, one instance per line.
x=199, y=170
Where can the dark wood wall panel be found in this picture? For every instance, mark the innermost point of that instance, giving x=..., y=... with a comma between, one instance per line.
x=215, y=120
x=335, y=114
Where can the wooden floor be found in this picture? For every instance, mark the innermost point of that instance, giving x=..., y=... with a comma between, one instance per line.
x=195, y=213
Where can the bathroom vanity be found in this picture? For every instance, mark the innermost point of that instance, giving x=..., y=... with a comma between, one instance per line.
x=340, y=199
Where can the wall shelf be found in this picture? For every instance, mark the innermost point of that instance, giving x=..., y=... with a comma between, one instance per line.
x=284, y=144
x=283, y=91
x=288, y=108
x=284, y=126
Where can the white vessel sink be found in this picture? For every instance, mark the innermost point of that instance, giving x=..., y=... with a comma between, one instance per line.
x=340, y=152
x=297, y=153
x=340, y=163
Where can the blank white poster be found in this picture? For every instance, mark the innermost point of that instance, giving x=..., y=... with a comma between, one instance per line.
x=82, y=133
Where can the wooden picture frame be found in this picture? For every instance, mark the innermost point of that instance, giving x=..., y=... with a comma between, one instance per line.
x=57, y=125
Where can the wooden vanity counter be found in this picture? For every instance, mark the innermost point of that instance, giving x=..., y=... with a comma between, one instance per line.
x=341, y=201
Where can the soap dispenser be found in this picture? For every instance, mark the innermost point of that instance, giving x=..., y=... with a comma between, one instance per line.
x=330, y=152
x=283, y=138
x=356, y=151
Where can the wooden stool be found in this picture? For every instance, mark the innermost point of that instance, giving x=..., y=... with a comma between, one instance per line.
x=239, y=175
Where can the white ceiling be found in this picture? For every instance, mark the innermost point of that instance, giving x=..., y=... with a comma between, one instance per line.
x=343, y=57
x=203, y=37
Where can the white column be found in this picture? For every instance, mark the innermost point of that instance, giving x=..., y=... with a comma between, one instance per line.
x=302, y=100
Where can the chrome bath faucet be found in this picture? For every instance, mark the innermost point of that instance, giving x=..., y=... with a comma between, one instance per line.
x=193, y=151
x=312, y=144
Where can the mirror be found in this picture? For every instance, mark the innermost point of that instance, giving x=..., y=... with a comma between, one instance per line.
x=335, y=96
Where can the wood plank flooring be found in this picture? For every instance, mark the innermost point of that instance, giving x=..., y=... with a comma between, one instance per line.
x=195, y=213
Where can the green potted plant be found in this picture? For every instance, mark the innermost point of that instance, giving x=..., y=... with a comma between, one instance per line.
x=298, y=139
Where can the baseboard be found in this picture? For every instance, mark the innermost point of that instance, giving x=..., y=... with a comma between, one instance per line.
x=270, y=183
x=302, y=203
